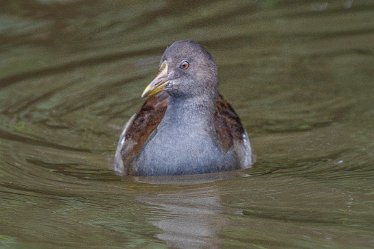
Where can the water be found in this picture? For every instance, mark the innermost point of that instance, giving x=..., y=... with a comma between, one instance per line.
x=300, y=75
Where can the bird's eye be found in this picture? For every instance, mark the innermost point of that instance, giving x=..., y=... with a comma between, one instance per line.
x=184, y=65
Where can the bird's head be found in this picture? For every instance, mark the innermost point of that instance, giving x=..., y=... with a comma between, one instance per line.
x=186, y=70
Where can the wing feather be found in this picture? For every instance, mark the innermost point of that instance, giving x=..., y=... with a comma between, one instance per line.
x=231, y=133
x=137, y=131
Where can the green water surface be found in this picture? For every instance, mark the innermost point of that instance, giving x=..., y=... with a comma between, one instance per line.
x=299, y=73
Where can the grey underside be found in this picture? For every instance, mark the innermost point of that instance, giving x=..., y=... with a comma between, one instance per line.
x=178, y=152
x=184, y=143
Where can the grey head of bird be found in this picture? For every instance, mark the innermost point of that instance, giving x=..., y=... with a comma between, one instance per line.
x=186, y=70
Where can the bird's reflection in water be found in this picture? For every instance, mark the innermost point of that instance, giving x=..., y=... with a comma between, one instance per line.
x=187, y=220
x=189, y=216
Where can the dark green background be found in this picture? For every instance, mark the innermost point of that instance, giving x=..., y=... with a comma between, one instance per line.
x=299, y=73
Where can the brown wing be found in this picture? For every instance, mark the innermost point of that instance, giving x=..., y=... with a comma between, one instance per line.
x=138, y=130
x=227, y=123
x=230, y=132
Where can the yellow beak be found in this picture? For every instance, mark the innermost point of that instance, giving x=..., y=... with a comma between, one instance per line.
x=158, y=84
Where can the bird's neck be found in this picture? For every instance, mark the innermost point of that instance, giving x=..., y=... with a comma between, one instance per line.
x=195, y=111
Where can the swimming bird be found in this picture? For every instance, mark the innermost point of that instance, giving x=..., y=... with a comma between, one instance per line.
x=185, y=126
